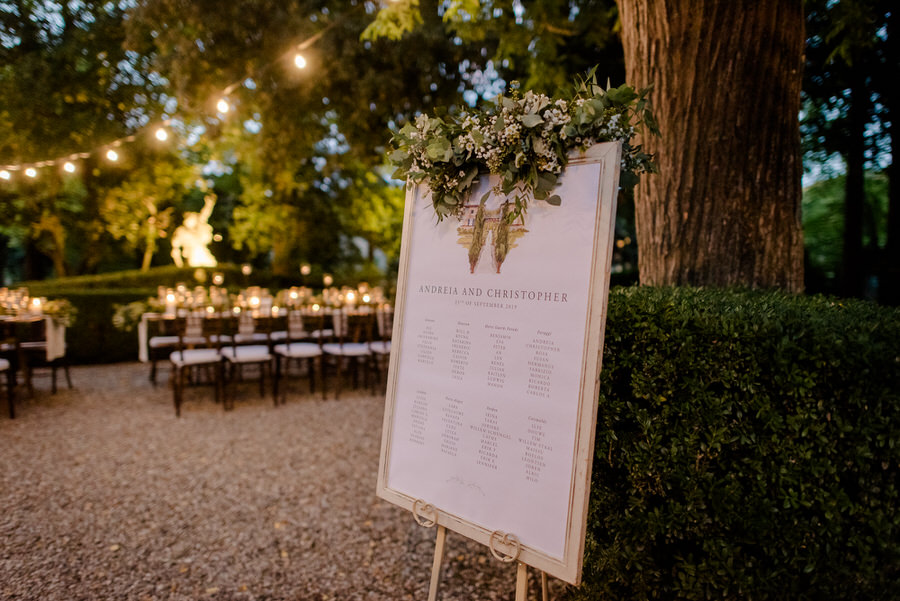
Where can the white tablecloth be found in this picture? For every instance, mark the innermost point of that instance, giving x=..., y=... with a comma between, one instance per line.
x=56, y=339
x=143, y=353
x=54, y=333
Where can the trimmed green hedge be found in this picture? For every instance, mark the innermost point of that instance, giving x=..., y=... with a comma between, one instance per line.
x=747, y=447
x=93, y=338
x=135, y=278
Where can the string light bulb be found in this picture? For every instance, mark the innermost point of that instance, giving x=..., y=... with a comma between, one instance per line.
x=112, y=155
x=222, y=106
x=299, y=61
x=5, y=175
x=69, y=167
x=161, y=134
x=31, y=172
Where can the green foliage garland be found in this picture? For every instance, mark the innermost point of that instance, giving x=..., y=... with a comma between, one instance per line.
x=525, y=139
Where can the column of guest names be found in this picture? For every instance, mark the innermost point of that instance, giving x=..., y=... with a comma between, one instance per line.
x=418, y=418
x=541, y=364
x=534, y=446
x=426, y=343
x=499, y=339
x=460, y=350
x=451, y=422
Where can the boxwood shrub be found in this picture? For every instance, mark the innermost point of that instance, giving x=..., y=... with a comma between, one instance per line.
x=747, y=447
x=93, y=338
x=135, y=278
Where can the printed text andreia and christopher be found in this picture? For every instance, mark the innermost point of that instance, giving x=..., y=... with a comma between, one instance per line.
x=545, y=296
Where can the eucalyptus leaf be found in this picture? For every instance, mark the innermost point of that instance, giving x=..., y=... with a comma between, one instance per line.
x=547, y=180
x=469, y=177
x=439, y=149
x=624, y=94
x=554, y=200
x=532, y=119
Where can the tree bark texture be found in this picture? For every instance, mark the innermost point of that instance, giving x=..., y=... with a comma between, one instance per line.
x=725, y=207
x=889, y=285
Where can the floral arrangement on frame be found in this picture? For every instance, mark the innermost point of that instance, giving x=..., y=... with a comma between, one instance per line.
x=523, y=138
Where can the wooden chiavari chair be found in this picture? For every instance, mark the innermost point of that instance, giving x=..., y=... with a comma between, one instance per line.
x=353, y=335
x=199, y=339
x=297, y=349
x=250, y=345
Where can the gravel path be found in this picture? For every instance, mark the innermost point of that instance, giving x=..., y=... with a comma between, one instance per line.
x=104, y=494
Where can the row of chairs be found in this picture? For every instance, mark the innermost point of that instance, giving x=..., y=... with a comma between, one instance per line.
x=222, y=345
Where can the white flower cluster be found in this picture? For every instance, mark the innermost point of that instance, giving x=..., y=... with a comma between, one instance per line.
x=614, y=129
x=449, y=181
x=556, y=117
x=533, y=103
x=547, y=160
x=494, y=145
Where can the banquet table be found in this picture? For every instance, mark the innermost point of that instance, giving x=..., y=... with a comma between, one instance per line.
x=54, y=332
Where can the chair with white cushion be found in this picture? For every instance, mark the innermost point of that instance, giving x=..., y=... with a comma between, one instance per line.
x=162, y=340
x=9, y=355
x=250, y=347
x=353, y=335
x=197, y=350
x=381, y=345
x=296, y=349
x=318, y=323
x=32, y=337
x=7, y=374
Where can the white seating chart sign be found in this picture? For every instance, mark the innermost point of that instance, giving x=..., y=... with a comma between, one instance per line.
x=493, y=383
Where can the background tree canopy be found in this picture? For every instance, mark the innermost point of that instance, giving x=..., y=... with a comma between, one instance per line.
x=295, y=164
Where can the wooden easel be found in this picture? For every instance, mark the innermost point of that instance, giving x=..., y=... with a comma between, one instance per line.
x=426, y=515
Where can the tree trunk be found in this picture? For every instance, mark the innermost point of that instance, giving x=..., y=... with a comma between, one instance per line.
x=853, y=270
x=57, y=250
x=283, y=257
x=725, y=207
x=147, y=259
x=150, y=236
x=889, y=285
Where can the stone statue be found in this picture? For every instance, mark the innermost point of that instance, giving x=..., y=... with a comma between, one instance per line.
x=191, y=238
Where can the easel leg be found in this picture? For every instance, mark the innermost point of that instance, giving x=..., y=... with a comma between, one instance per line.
x=522, y=582
x=545, y=587
x=436, y=566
